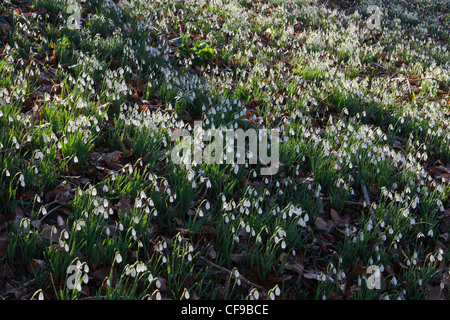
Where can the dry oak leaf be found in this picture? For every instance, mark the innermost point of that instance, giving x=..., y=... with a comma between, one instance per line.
x=323, y=225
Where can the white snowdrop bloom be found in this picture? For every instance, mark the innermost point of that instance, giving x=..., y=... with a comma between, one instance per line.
x=301, y=222
x=406, y=213
x=277, y=291
x=430, y=233
x=41, y=296
x=118, y=258
x=75, y=159
x=394, y=281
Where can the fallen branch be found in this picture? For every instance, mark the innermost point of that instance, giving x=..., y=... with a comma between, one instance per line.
x=37, y=223
x=354, y=203
x=440, y=81
x=223, y=269
x=23, y=145
x=93, y=298
x=366, y=198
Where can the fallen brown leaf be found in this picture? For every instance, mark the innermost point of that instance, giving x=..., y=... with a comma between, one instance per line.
x=6, y=28
x=4, y=243
x=238, y=257
x=321, y=224
x=35, y=265
x=296, y=267
x=211, y=253
x=435, y=293
x=311, y=275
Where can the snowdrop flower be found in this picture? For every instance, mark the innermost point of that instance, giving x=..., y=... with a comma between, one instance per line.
x=394, y=281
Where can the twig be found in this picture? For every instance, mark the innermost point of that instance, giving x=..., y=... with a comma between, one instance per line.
x=321, y=210
x=93, y=298
x=440, y=81
x=421, y=79
x=212, y=264
x=23, y=145
x=37, y=223
x=354, y=203
x=366, y=198
x=26, y=284
x=347, y=202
